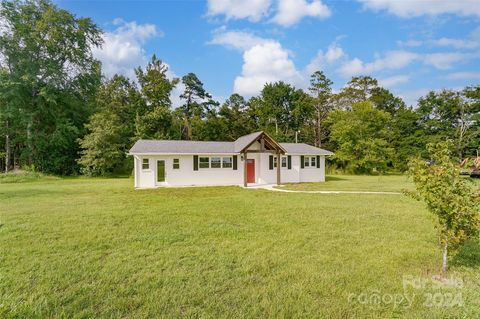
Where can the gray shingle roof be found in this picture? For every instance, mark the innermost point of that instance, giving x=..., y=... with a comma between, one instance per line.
x=302, y=148
x=181, y=147
x=199, y=147
x=243, y=141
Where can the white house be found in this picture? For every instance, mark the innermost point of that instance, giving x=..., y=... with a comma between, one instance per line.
x=252, y=159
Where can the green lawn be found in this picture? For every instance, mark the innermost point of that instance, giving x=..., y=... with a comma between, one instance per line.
x=91, y=248
x=381, y=183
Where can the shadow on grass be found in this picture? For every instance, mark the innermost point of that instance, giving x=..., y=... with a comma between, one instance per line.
x=335, y=178
x=468, y=255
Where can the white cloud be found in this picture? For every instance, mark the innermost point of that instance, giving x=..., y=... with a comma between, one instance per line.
x=446, y=60
x=252, y=10
x=322, y=60
x=408, y=9
x=334, y=53
x=122, y=49
x=392, y=60
x=238, y=40
x=456, y=43
x=265, y=63
x=463, y=76
x=393, y=80
x=289, y=12
x=471, y=42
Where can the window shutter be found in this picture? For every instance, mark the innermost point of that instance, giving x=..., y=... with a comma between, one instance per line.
x=289, y=161
x=302, y=161
x=318, y=161
x=195, y=162
x=270, y=162
x=235, y=162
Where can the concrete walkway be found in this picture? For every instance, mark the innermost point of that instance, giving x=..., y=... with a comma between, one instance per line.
x=273, y=187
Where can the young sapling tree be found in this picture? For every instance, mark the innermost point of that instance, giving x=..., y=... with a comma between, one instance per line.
x=453, y=201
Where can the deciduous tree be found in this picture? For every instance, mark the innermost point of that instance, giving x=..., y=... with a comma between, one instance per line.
x=51, y=78
x=450, y=198
x=110, y=129
x=361, y=136
x=451, y=114
x=281, y=110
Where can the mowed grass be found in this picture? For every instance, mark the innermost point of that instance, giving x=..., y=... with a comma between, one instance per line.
x=380, y=183
x=369, y=183
x=96, y=248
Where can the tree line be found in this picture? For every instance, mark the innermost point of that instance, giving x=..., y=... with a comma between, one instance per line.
x=59, y=115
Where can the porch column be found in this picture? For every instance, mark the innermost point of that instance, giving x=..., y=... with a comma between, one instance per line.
x=278, y=168
x=245, y=169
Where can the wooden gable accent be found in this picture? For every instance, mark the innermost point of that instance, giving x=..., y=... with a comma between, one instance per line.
x=267, y=145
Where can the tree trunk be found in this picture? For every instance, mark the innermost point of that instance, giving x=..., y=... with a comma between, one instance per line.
x=445, y=257
x=189, y=130
x=29, y=142
x=462, y=130
x=7, y=149
x=317, y=129
x=319, y=135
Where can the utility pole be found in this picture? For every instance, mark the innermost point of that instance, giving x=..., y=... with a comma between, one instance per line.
x=296, y=136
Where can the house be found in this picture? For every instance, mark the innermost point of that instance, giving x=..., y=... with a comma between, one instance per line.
x=251, y=159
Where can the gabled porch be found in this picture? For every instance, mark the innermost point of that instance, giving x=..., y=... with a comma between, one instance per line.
x=251, y=148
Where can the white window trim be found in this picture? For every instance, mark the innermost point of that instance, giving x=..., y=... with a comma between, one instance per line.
x=310, y=161
x=219, y=162
x=286, y=162
x=146, y=169
x=210, y=163
x=199, y=163
x=231, y=161
x=173, y=163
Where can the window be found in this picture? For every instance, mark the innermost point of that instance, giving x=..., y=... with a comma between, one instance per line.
x=215, y=162
x=227, y=162
x=306, y=161
x=176, y=163
x=274, y=161
x=204, y=162
x=310, y=161
x=284, y=161
x=145, y=163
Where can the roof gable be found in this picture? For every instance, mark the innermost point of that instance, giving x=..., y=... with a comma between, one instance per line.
x=244, y=141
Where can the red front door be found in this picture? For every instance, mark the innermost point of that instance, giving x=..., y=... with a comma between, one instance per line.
x=250, y=171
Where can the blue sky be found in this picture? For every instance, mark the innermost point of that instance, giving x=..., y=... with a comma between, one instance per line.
x=236, y=46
